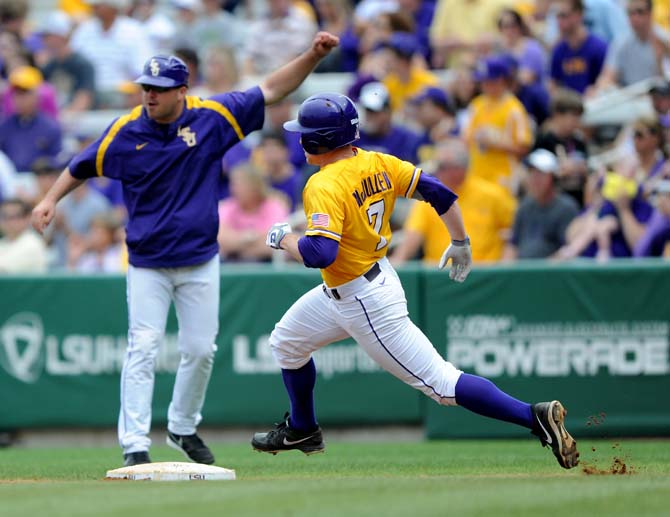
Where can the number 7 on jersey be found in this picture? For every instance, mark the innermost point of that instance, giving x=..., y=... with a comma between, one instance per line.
x=376, y=212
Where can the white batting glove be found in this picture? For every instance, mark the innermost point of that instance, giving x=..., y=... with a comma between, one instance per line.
x=276, y=234
x=461, y=259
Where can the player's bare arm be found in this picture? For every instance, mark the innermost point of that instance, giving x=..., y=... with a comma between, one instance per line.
x=44, y=212
x=286, y=79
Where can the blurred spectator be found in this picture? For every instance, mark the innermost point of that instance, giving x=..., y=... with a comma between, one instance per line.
x=335, y=16
x=101, y=250
x=650, y=160
x=78, y=10
x=156, y=24
x=192, y=60
x=578, y=57
x=28, y=134
x=21, y=249
x=622, y=217
x=244, y=218
x=186, y=12
x=436, y=117
x=463, y=29
x=422, y=13
x=534, y=96
x=272, y=161
x=277, y=37
x=463, y=89
x=8, y=178
x=487, y=210
x=637, y=55
x=656, y=236
x=46, y=93
x=131, y=94
x=81, y=207
x=516, y=39
x=603, y=18
x=71, y=73
x=378, y=132
x=13, y=14
x=405, y=78
x=116, y=45
x=372, y=27
x=214, y=26
x=498, y=131
x=660, y=100
x=561, y=136
x=219, y=72
x=544, y=213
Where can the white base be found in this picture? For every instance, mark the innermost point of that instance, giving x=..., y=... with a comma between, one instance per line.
x=171, y=471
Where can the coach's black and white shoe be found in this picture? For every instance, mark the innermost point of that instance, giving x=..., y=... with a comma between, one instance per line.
x=136, y=458
x=192, y=447
x=283, y=438
x=548, y=418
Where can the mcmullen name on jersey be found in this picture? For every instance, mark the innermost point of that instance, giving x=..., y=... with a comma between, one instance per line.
x=371, y=185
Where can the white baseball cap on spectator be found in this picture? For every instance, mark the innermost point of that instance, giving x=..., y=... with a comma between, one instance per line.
x=57, y=23
x=187, y=5
x=374, y=97
x=543, y=161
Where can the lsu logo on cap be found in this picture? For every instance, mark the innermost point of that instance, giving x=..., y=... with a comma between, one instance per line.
x=155, y=67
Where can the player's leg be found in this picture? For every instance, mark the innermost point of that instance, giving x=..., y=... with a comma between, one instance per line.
x=197, y=306
x=149, y=293
x=384, y=330
x=307, y=326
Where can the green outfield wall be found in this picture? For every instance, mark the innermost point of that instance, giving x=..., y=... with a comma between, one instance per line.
x=597, y=337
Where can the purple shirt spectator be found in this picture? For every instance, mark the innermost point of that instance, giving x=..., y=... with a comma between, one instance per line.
x=656, y=236
x=24, y=140
x=47, y=101
x=642, y=211
x=399, y=141
x=532, y=57
x=578, y=68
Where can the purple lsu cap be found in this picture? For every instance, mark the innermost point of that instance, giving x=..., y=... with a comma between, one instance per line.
x=436, y=95
x=492, y=67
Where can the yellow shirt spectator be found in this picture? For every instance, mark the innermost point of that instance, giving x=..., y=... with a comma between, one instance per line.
x=460, y=24
x=502, y=119
x=400, y=92
x=488, y=212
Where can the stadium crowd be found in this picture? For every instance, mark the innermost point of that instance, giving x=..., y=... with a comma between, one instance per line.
x=487, y=95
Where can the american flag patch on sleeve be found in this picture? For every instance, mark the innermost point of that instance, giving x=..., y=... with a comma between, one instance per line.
x=320, y=220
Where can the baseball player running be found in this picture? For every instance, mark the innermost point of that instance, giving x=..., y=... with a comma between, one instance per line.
x=348, y=203
x=167, y=154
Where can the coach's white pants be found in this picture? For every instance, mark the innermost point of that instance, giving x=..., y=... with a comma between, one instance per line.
x=375, y=315
x=195, y=292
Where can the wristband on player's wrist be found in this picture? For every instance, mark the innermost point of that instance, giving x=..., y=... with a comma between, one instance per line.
x=464, y=242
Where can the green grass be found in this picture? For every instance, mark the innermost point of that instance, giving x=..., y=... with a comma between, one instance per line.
x=455, y=478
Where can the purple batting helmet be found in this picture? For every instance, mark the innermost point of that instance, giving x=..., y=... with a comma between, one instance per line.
x=325, y=121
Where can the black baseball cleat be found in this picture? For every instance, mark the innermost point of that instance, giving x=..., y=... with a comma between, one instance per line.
x=283, y=438
x=136, y=458
x=548, y=418
x=192, y=447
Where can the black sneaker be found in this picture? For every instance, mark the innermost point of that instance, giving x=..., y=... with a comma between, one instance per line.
x=283, y=438
x=192, y=447
x=548, y=426
x=136, y=458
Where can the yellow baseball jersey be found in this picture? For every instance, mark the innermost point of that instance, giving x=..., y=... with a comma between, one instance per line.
x=488, y=212
x=503, y=118
x=351, y=201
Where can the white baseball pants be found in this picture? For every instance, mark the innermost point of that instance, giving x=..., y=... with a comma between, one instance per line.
x=375, y=315
x=195, y=292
